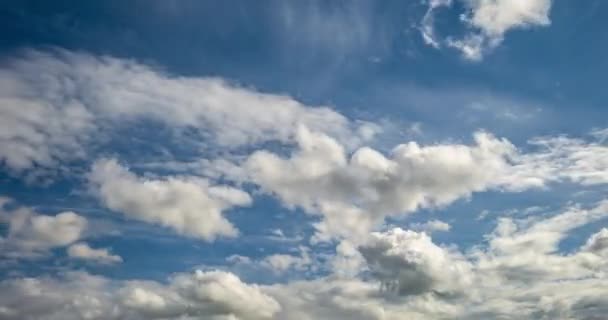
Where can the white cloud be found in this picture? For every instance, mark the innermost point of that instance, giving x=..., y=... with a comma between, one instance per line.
x=202, y=294
x=38, y=126
x=518, y=274
x=431, y=226
x=488, y=22
x=51, y=104
x=187, y=205
x=354, y=194
x=75, y=296
x=567, y=159
x=30, y=233
x=84, y=252
x=78, y=296
x=409, y=263
x=280, y=263
x=342, y=299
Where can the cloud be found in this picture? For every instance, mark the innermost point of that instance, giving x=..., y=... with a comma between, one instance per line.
x=280, y=263
x=488, y=21
x=187, y=205
x=30, y=233
x=353, y=194
x=77, y=295
x=409, y=263
x=598, y=243
x=563, y=158
x=84, y=252
x=431, y=226
x=201, y=294
x=53, y=103
x=333, y=31
x=518, y=273
x=74, y=296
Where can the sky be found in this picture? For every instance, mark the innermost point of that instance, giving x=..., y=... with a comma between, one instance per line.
x=294, y=160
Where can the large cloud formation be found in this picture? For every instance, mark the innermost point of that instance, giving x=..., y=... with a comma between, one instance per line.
x=311, y=158
x=51, y=104
x=518, y=274
x=65, y=98
x=356, y=193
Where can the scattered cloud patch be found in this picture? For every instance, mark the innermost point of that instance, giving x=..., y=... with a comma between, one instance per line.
x=84, y=252
x=487, y=22
x=30, y=233
x=189, y=206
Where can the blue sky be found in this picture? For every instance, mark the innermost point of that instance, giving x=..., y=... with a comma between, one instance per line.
x=303, y=160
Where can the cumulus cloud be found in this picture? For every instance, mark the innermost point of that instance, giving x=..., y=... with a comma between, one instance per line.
x=52, y=103
x=488, y=21
x=515, y=275
x=76, y=295
x=354, y=194
x=30, y=233
x=187, y=205
x=83, y=251
x=519, y=273
x=201, y=294
x=409, y=263
x=280, y=265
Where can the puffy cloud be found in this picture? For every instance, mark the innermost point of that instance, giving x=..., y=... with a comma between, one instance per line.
x=74, y=296
x=32, y=233
x=517, y=274
x=51, y=104
x=84, y=252
x=409, y=263
x=335, y=298
x=78, y=296
x=189, y=206
x=355, y=193
x=279, y=264
x=488, y=21
x=202, y=294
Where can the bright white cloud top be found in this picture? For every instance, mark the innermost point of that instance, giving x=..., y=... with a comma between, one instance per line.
x=488, y=21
